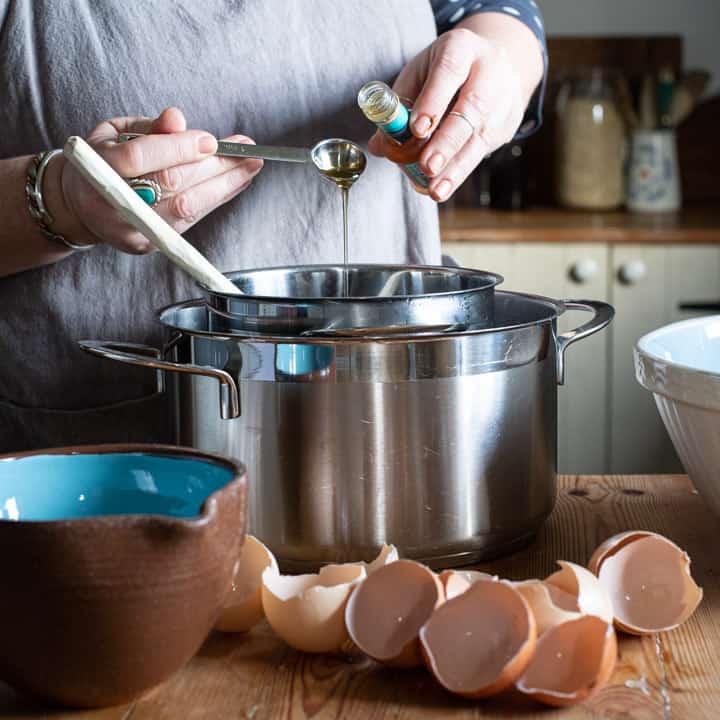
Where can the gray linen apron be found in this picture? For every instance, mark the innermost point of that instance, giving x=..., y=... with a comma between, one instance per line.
x=281, y=71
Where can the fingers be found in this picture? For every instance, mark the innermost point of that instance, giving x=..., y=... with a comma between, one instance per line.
x=152, y=153
x=478, y=109
x=451, y=61
x=187, y=207
x=444, y=185
x=181, y=177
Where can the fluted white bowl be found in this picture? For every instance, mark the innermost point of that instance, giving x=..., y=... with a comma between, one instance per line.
x=680, y=365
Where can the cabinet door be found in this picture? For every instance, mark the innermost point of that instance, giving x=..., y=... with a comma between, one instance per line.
x=694, y=277
x=641, y=295
x=548, y=269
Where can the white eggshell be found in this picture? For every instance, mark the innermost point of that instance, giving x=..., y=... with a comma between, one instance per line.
x=243, y=607
x=550, y=605
x=456, y=582
x=590, y=596
x=388, y=554
x=308, y=611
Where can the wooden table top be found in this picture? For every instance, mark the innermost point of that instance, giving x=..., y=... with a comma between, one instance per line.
x=694, y=225
x=670, y=676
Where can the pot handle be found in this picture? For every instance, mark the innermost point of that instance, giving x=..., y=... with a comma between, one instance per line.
x=146, y=356
x=602, y=315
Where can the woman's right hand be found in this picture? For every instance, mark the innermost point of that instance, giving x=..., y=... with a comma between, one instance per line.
x=194, y=181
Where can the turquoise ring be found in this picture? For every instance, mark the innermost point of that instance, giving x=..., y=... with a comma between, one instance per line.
x=148, y=190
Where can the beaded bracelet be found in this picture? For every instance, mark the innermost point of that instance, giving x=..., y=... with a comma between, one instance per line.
x=35, y=204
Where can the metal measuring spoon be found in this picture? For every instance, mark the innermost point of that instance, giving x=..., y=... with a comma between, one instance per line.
x=341, y=161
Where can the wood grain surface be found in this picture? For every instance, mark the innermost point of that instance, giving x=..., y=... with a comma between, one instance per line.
x=671, y=676
x=554, y=225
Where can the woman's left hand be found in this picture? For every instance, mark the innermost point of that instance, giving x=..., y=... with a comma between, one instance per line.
x=491, y=100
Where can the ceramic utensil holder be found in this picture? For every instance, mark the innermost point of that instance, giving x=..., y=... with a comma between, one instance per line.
x=653, y=173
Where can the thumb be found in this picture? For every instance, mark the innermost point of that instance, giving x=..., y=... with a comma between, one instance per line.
x=170, y=120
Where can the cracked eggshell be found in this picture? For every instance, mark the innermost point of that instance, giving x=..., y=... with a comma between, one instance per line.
x=385, y=613
x=387, y=554
x=648, y=579
x=572, y=661
x=590, y=597
x=307, y=611
x=456, y=582
x=243, y=607
x=478, y=643
x=550, y=606
x=566, y=595
x=612, y=545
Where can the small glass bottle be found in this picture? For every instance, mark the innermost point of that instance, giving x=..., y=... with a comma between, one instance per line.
x=381, y=105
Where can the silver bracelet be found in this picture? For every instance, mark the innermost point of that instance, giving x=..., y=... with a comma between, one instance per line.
x=35, y=203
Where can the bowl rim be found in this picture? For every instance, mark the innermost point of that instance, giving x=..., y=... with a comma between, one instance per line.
x=208, y=508
x=678, y=381
x=669, y=329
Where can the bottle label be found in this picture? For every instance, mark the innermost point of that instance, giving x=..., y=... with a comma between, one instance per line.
x=417, y=174
x=398, y=129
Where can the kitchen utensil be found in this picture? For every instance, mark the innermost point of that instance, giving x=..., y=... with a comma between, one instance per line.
x=648, y=107
x=118, y=559
x=680, y=365
x=665, y=91
x=444, y=444
x=687, y=95
x=332, y=157
x=119, y=194
x=378, y=300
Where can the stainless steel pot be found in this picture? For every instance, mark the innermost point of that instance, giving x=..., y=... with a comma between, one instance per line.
x=443, y=445
x=334, y=300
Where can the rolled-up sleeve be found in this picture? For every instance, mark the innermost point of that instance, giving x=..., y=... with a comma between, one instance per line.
x=450, y=12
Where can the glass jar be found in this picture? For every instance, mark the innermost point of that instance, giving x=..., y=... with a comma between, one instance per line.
x=590, y=142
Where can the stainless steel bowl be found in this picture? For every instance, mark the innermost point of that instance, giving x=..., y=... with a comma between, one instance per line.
x=380, y=300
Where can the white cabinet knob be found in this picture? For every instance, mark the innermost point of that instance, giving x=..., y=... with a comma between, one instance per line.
x=632, y=271
x=584, y=270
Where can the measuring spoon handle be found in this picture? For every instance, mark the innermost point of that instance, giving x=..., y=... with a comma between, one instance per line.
x=264, y=152
x=236, y=149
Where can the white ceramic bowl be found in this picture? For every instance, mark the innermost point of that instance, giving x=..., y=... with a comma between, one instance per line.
x=680, y=365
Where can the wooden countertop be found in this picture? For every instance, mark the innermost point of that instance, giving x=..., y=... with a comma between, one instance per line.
x=671, y=676
x=550, y=225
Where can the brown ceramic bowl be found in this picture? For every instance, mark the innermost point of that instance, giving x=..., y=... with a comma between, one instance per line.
x=116, y=560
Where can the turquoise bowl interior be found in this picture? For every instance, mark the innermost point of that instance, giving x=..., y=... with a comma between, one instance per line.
x=69, y=486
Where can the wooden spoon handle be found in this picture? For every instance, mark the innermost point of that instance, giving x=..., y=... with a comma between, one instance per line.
x=121, y=196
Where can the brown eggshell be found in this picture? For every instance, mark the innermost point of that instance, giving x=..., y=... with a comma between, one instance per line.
x=478, y=643
x=385, y=612
x=572, y=661
x=307, y=611
x=243, y=607
x=649, y=582
x=612, y=545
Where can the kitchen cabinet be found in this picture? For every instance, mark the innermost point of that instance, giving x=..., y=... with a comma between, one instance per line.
x=562, y=272
x=646, y=267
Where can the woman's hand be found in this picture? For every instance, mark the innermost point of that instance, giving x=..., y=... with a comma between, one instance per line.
x=193, y=180
x=469, y=73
